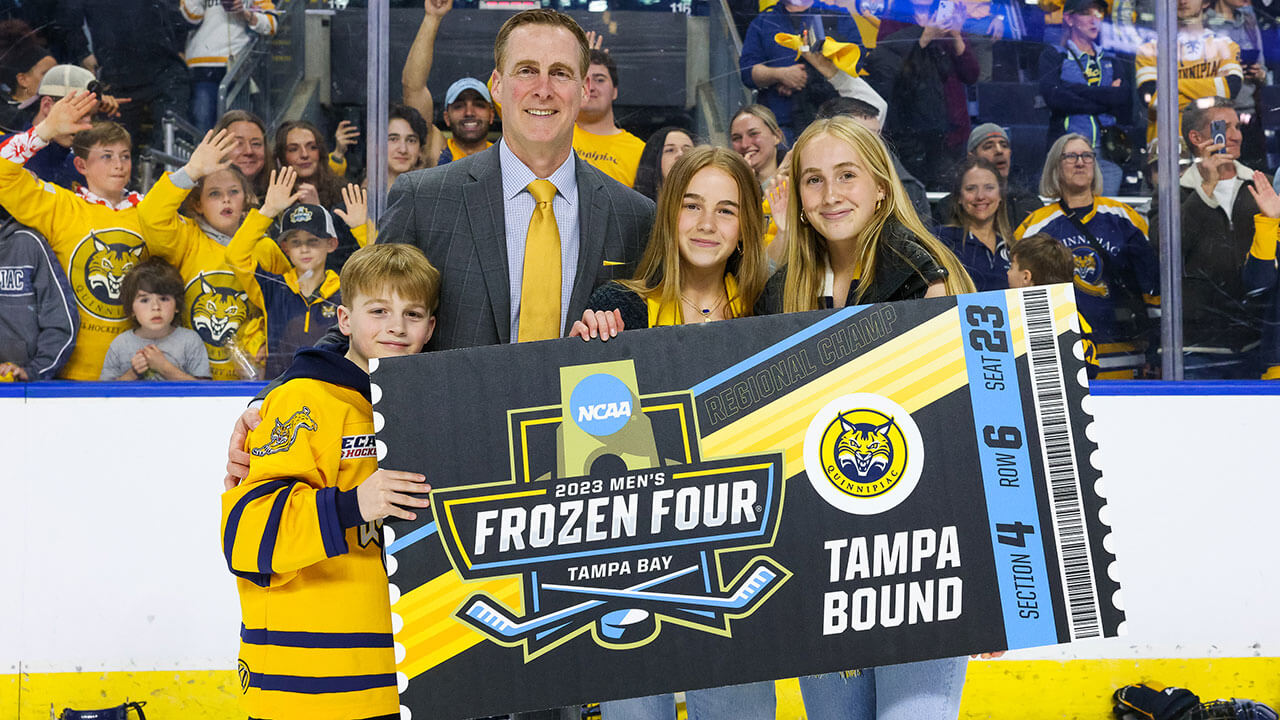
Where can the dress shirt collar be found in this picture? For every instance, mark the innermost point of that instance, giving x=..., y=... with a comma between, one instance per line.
x=516, y=176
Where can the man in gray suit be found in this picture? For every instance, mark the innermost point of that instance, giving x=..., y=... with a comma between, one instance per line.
x=470, y=216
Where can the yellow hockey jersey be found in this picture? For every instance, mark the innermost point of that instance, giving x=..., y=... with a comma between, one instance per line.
x=97, y=245
x=1205, y=61
x=215, y=304
x=617, y=155
x=316, y=637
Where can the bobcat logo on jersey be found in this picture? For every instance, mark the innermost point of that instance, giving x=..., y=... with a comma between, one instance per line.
x=98, y=266
x=1088, y=272
x=285, y=433
x=217, y=306
x=863, y=453
x=242, y=669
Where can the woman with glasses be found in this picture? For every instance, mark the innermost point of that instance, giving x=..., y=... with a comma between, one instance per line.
x=1117, y=278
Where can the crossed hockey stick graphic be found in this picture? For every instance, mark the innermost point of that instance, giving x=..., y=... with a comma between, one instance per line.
x=497, y=622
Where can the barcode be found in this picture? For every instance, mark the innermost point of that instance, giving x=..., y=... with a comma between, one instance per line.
x=1075, y=561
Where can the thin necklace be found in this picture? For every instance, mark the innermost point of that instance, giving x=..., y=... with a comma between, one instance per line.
x=706, y=312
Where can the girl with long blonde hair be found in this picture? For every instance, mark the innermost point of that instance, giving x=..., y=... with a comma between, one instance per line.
x=856, y=238
x=705, y=259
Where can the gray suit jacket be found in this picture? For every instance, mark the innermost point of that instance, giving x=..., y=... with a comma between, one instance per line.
x=454, y=214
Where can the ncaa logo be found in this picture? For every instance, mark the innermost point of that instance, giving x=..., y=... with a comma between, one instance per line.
x=600, y=404
x=300, y=215
x=863, y=453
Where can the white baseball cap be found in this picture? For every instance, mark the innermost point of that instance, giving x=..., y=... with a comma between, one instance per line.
x=62, y=80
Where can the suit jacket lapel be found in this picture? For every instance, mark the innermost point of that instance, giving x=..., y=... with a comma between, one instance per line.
x=482, y=197
x=593, y=215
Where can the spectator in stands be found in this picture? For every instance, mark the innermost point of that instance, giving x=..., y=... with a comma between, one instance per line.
x=307, y=291
x=188, y=218
x=55, y=162
x=1262, y=274
x=1117, y=280
x=793, y=84
x=251, y=154
x=222, y=32
x=990, y=142
x=1208, y=63
x=300, y=145
x=977, y=228
x=921, y=65
x=1220, y=330
x=136, y=52
x=755, y=135
x=413, y=85
x=38, y=316
x=665, y=146
x=468, y=113
x=1081, y=86
x=23, y=62
x=596, y=137
x=984, y=26
x=407, y=134
x=157, y=347
x=1041, y=260
x=94, y=231
x=1236, y=19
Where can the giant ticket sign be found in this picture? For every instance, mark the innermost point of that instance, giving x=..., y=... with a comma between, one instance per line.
x=706, y=505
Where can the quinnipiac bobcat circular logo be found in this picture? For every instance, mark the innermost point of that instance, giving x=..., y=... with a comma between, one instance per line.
x=98, y=266
x=863, y=453
x=242, y=669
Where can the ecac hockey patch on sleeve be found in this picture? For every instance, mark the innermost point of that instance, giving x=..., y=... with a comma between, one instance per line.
x=358, y=446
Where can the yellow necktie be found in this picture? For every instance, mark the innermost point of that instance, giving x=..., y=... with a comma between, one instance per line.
x=540, y=286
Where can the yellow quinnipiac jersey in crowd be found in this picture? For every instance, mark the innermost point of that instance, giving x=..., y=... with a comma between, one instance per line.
x=315, y=643
x=617, y=155
x=216, y=304
x=97, y=245
x=1205, y=61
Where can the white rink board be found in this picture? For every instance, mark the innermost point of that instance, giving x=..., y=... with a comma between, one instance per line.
x=112, y=558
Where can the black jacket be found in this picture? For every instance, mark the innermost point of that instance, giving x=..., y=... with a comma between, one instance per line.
x=1214, y=247
x=904, y=272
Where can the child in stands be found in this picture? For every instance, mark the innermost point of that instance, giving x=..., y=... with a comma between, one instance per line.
x=301, y=303
x=94, y=232
x=157, y=348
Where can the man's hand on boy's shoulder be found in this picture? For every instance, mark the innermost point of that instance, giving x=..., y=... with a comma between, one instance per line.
x=237, y=456
x=390, y=493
